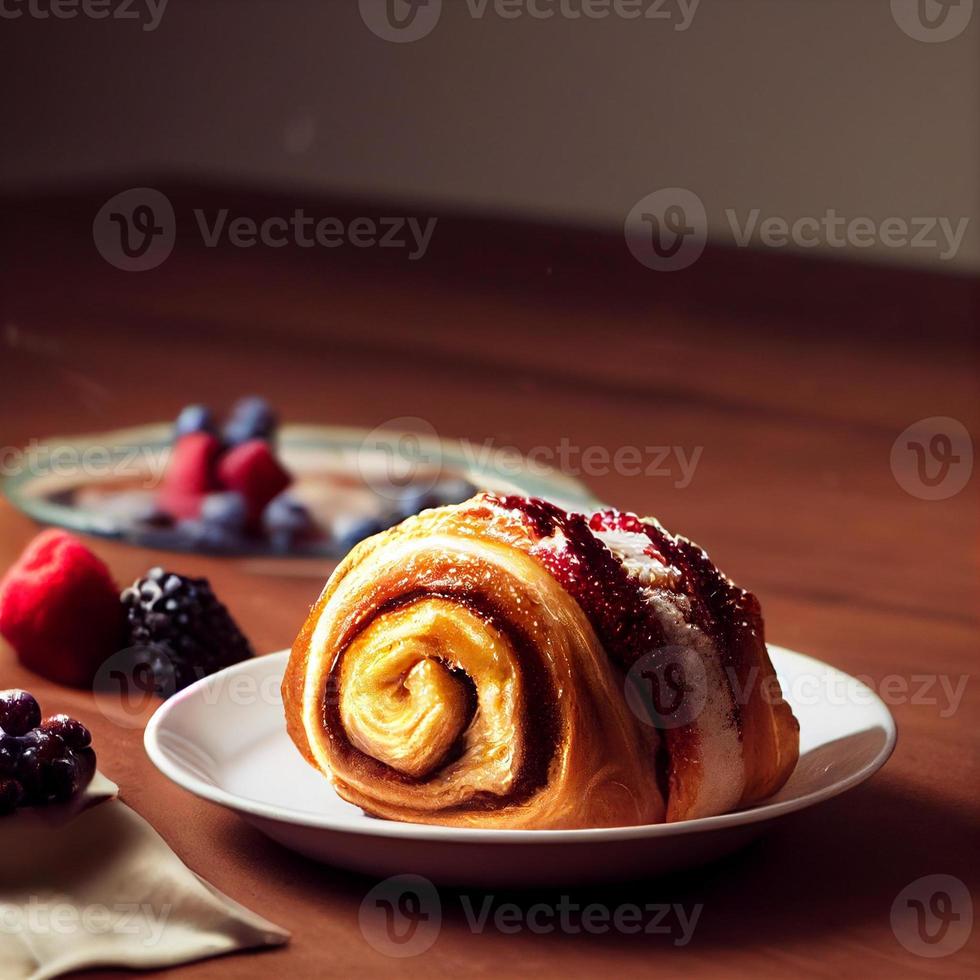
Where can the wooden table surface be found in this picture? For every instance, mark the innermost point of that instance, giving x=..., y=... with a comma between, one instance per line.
x=790, y=403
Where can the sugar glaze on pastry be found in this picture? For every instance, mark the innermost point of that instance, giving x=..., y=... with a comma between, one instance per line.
x=469, y=668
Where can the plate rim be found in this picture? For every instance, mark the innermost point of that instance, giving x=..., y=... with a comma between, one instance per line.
x=187, y=780
x=156, y=437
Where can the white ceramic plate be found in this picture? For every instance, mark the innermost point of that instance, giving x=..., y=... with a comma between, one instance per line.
x=224, y=738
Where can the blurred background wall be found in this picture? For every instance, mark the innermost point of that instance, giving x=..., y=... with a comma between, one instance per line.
x=793, y=107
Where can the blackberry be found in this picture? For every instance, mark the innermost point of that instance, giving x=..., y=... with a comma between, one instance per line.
x=180, y=629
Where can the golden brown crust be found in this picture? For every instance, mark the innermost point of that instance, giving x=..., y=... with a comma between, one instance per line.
x=446, y=676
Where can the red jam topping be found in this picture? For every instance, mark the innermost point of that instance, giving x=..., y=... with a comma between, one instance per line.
x=613, y=601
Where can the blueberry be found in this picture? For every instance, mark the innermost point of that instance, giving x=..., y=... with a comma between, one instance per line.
x=209, y=537
x=453, y=491
x=251, y=418
x=285, y=520
x=348, y=531
x=194, y=418
x=228, y=510
x=73, y=733
x=19, y=712
x=414, y=500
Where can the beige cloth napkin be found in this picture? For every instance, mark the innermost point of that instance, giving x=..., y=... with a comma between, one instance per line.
x=93, y=884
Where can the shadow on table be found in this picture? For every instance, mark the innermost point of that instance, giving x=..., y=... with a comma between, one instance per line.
x=819, y=871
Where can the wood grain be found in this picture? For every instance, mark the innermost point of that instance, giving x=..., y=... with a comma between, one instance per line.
x=789, y=382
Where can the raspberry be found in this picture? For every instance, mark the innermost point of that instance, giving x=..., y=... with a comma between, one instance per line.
x=189, y=476
x=183, y=630
x=59, y=609
x=252, y=470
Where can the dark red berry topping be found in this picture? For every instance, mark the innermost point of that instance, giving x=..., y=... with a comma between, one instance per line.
x=46, y=762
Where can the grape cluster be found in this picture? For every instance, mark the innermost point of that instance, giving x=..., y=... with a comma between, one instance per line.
x=40, y=761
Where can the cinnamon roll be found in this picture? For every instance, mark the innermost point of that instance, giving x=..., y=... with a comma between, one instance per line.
x=502, y=663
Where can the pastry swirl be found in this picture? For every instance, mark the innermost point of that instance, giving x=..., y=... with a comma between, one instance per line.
x=469, y=667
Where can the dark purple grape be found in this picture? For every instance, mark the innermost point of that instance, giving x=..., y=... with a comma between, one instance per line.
x=46, y=745
x=84, y=767
x=19, y=712
x=74, y=734
x=30, y=773
x=61, y=780
x=40, y=762
x=11, y=795
x=10, y=749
